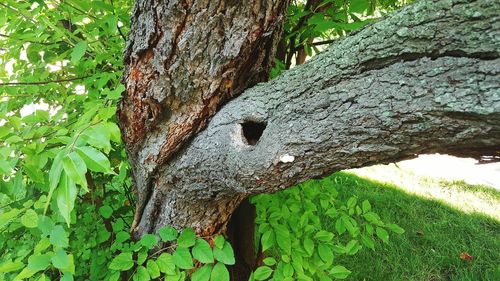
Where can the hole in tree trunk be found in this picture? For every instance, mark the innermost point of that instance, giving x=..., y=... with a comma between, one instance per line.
x=241, y=231
x=252, y=131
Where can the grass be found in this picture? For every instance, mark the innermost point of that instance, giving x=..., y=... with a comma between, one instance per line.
x=436, y=234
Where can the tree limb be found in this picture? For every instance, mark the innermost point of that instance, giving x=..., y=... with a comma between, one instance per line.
x=426, y=79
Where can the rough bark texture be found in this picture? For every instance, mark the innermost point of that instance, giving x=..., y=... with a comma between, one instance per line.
x=426, y=79
x=183, y=60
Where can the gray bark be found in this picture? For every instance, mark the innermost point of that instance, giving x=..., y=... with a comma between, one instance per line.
x=425, y=79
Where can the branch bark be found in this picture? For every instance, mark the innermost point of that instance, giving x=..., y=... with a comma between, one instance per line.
x=425, y=79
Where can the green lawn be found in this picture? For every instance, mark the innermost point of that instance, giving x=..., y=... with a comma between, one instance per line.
x=435, y=235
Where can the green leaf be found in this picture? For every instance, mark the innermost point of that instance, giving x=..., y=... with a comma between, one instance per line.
x=168, y=233
x=142, y=255
x=267, y=240
x=339, y=272
x=59, y=237
x=153, y=269
x=30, y=219
x=115, y=276
x=94, y=159
x=106, y=211
x=325, y=253
x=187, y=238
x=65, y=198
x=382, y=234
x=202, y=251
x=141, y=274
x=5, y=167
x=99, y=137
x=78, y=51
x=166, y=263
x=262, y=273
x=219, y=241
x=75, y=168
x=270, y=261
x=67, y=277
x=182, y=258
x=366, y=206
x=219, y=273
x=324, y=236
x=54, y=176
x=309, y=246
x=202, y=274
x=39, y=262
x=367, y=241
x=358, y=6
x=60, y=259
x=283, y=238
x=395, y=228
x=225, y=255
x=148, y=241
x=25, y=274
x=9, y=265
x=122, y=262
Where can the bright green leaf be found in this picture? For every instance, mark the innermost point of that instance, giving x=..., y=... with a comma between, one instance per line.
x=75, y=168
x=153, y=269
x=202, y=251
x=65, y=197
x=202, y=274
x=59, y=237
x=122, y=262
x=60, y=259
x=141, y=274
x=339, y=272
x=219, y=273
x=30, y=219
x=94, y=159
x=168, y=233
x=262, y=273
x=182, y=258
x=224, y=255
x=78, y=51
x=187, y=238
x=166, y=263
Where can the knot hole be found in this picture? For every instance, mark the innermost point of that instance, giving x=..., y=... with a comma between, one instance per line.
x=252, y=131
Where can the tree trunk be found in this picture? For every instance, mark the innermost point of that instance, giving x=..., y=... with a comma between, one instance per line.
x=426, y=79
x=183, y=60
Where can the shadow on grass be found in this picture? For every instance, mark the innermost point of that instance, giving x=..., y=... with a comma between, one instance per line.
x=435, y=236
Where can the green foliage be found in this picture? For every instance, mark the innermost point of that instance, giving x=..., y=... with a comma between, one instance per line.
x=311, y=25
x=172, y=260
x=294, y=231
x=63, y=168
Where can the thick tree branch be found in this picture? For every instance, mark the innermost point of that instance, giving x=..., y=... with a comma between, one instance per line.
x=425, y=79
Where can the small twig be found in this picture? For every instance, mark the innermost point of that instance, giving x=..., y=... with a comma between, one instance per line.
x=43, y=82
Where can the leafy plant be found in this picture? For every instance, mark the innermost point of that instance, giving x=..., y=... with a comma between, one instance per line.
x=146, y=259
x=293, y=232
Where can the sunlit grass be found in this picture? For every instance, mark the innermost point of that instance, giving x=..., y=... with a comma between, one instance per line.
x=437, y=231
x=455, y=193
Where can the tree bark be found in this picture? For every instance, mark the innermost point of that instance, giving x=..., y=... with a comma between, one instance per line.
x=183, y=60
x=425, y=79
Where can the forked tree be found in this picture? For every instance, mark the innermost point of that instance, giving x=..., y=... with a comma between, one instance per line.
x=202, y=135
